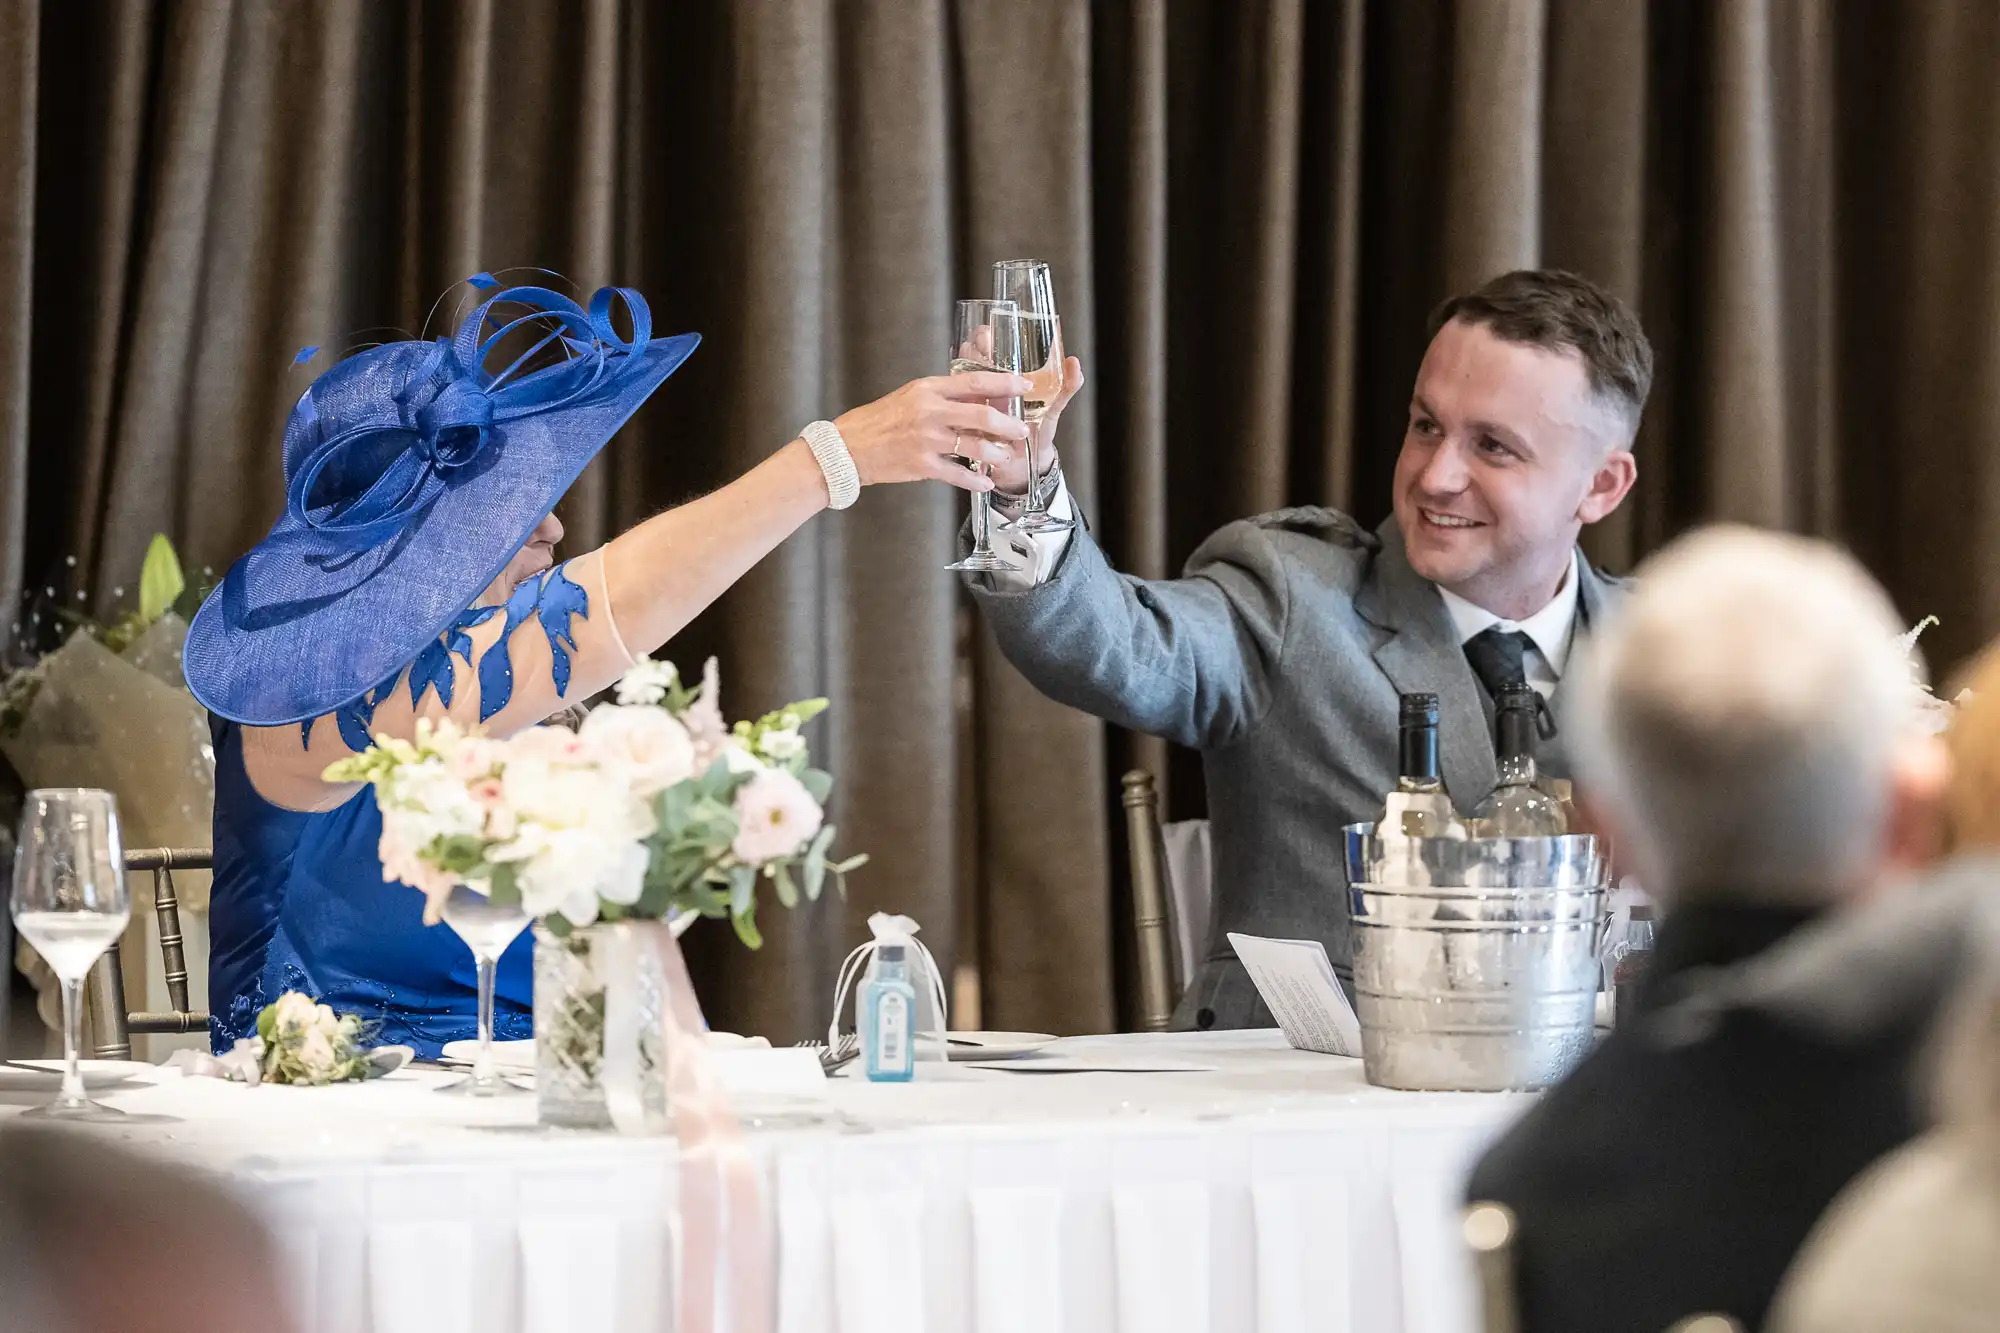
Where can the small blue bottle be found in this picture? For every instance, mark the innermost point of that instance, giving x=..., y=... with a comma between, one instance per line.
x=888, y=1005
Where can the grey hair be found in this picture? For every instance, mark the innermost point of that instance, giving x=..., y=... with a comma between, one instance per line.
x=1739, y=715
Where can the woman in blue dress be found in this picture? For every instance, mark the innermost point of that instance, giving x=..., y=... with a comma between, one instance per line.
x=412, y=576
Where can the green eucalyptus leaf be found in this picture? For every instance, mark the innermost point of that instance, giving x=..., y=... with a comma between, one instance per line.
x=746, y=928
x=788, y=892
x=505, y=888
x=558, y=925
x=160, y=579
x=818, y=784
x=742, y=889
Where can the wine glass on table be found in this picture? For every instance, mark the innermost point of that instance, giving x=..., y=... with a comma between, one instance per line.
x=69, y=902
x=986, y=335
x=487, y=927
x=1029, y=285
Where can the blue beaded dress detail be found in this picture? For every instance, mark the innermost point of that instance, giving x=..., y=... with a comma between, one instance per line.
x=299, y=902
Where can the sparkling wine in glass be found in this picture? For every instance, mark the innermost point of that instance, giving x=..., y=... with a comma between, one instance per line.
x=1030, y=286
x=487, y=928
x=986, y=335
x=69, y=902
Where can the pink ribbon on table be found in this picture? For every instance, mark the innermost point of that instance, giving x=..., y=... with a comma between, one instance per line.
x=723, y=1222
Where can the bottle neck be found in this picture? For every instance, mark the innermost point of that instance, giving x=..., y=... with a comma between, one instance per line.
x=1417, y=758
x=1514, y=736
x=892, y=969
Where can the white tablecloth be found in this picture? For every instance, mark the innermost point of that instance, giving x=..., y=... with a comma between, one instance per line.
x=1279, y=1194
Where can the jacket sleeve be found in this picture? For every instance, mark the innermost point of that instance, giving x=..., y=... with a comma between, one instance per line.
x=1190, y=659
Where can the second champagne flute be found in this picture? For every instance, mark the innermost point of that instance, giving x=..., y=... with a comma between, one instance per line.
x=1030, y=286
x=986, y=335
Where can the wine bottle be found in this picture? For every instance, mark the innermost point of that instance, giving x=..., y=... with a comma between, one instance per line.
x=1419, y=807
x=1518, y=807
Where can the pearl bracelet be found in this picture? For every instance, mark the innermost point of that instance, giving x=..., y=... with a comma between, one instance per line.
x=843, y=483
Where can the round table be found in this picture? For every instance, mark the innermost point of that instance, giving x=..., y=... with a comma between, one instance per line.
x=1274, y=1192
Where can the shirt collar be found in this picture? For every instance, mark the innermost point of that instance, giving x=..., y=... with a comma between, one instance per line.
x=1549, y=629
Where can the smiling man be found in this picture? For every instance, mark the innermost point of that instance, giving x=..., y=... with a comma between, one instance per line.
x=1280, y=653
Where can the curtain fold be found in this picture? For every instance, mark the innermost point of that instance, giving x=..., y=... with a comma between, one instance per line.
x=1251, y=210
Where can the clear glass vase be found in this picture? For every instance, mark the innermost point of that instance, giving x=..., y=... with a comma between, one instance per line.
x=572, y=992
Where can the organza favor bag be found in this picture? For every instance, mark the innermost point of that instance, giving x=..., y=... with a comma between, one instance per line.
x=859, y=969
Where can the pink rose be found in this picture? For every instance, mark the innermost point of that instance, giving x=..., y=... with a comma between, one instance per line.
x=775, y=817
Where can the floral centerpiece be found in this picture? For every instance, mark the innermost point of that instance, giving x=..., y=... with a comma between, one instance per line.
x=652, y=809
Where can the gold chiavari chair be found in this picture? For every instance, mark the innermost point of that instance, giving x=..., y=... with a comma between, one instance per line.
x=1170, y=898
x=112, y=1026
x=1149, y=901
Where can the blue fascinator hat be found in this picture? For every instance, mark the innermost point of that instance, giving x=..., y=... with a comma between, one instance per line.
x=413, y=473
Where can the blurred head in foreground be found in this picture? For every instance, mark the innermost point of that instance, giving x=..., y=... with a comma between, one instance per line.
x=94, y=1238
x=1745, y=724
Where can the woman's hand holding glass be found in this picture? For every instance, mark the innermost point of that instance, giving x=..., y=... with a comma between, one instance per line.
x=930, y=429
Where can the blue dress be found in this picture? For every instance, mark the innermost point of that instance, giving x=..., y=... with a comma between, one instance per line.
x=299, y=903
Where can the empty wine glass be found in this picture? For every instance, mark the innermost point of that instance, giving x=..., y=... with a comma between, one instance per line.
x=986, y=335
x=487, y=928
x=1030, y=286
x=69, y=902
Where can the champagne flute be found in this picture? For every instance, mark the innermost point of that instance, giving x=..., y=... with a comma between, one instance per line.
x=986, y=335
x=1029, y=285
x=69, y=901
x=487, y=928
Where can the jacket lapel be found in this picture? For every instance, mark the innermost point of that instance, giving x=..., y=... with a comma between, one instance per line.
x=1594, y=595
x=1421, y=654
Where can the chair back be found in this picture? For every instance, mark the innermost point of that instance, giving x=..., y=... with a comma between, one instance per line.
x=1147, y=854
x=1170, y=898
x=1489, y=1230
x=112, y=1026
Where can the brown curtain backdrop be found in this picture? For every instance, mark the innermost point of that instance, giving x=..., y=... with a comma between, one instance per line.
x=1251, y=207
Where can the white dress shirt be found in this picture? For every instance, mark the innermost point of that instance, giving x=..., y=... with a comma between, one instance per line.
x=1551, y=630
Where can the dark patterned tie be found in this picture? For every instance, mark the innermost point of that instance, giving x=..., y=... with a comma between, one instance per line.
x=1498, y=658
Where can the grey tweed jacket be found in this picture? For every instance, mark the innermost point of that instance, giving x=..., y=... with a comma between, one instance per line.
x=1279, y=655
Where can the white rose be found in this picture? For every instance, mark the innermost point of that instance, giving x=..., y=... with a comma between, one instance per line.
x=652, y=750
x=568, y=870
x=783, y=746
x=295, y=1011
x=739, y=759
x=316, y=1055
x=775, y=817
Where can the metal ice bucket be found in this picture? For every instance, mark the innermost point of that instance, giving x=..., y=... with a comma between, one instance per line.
x=1475, y=960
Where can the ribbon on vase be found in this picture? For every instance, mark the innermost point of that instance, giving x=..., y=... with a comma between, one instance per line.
x=724, y=1228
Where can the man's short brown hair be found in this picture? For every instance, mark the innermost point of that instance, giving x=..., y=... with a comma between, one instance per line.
x=1561, y=312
